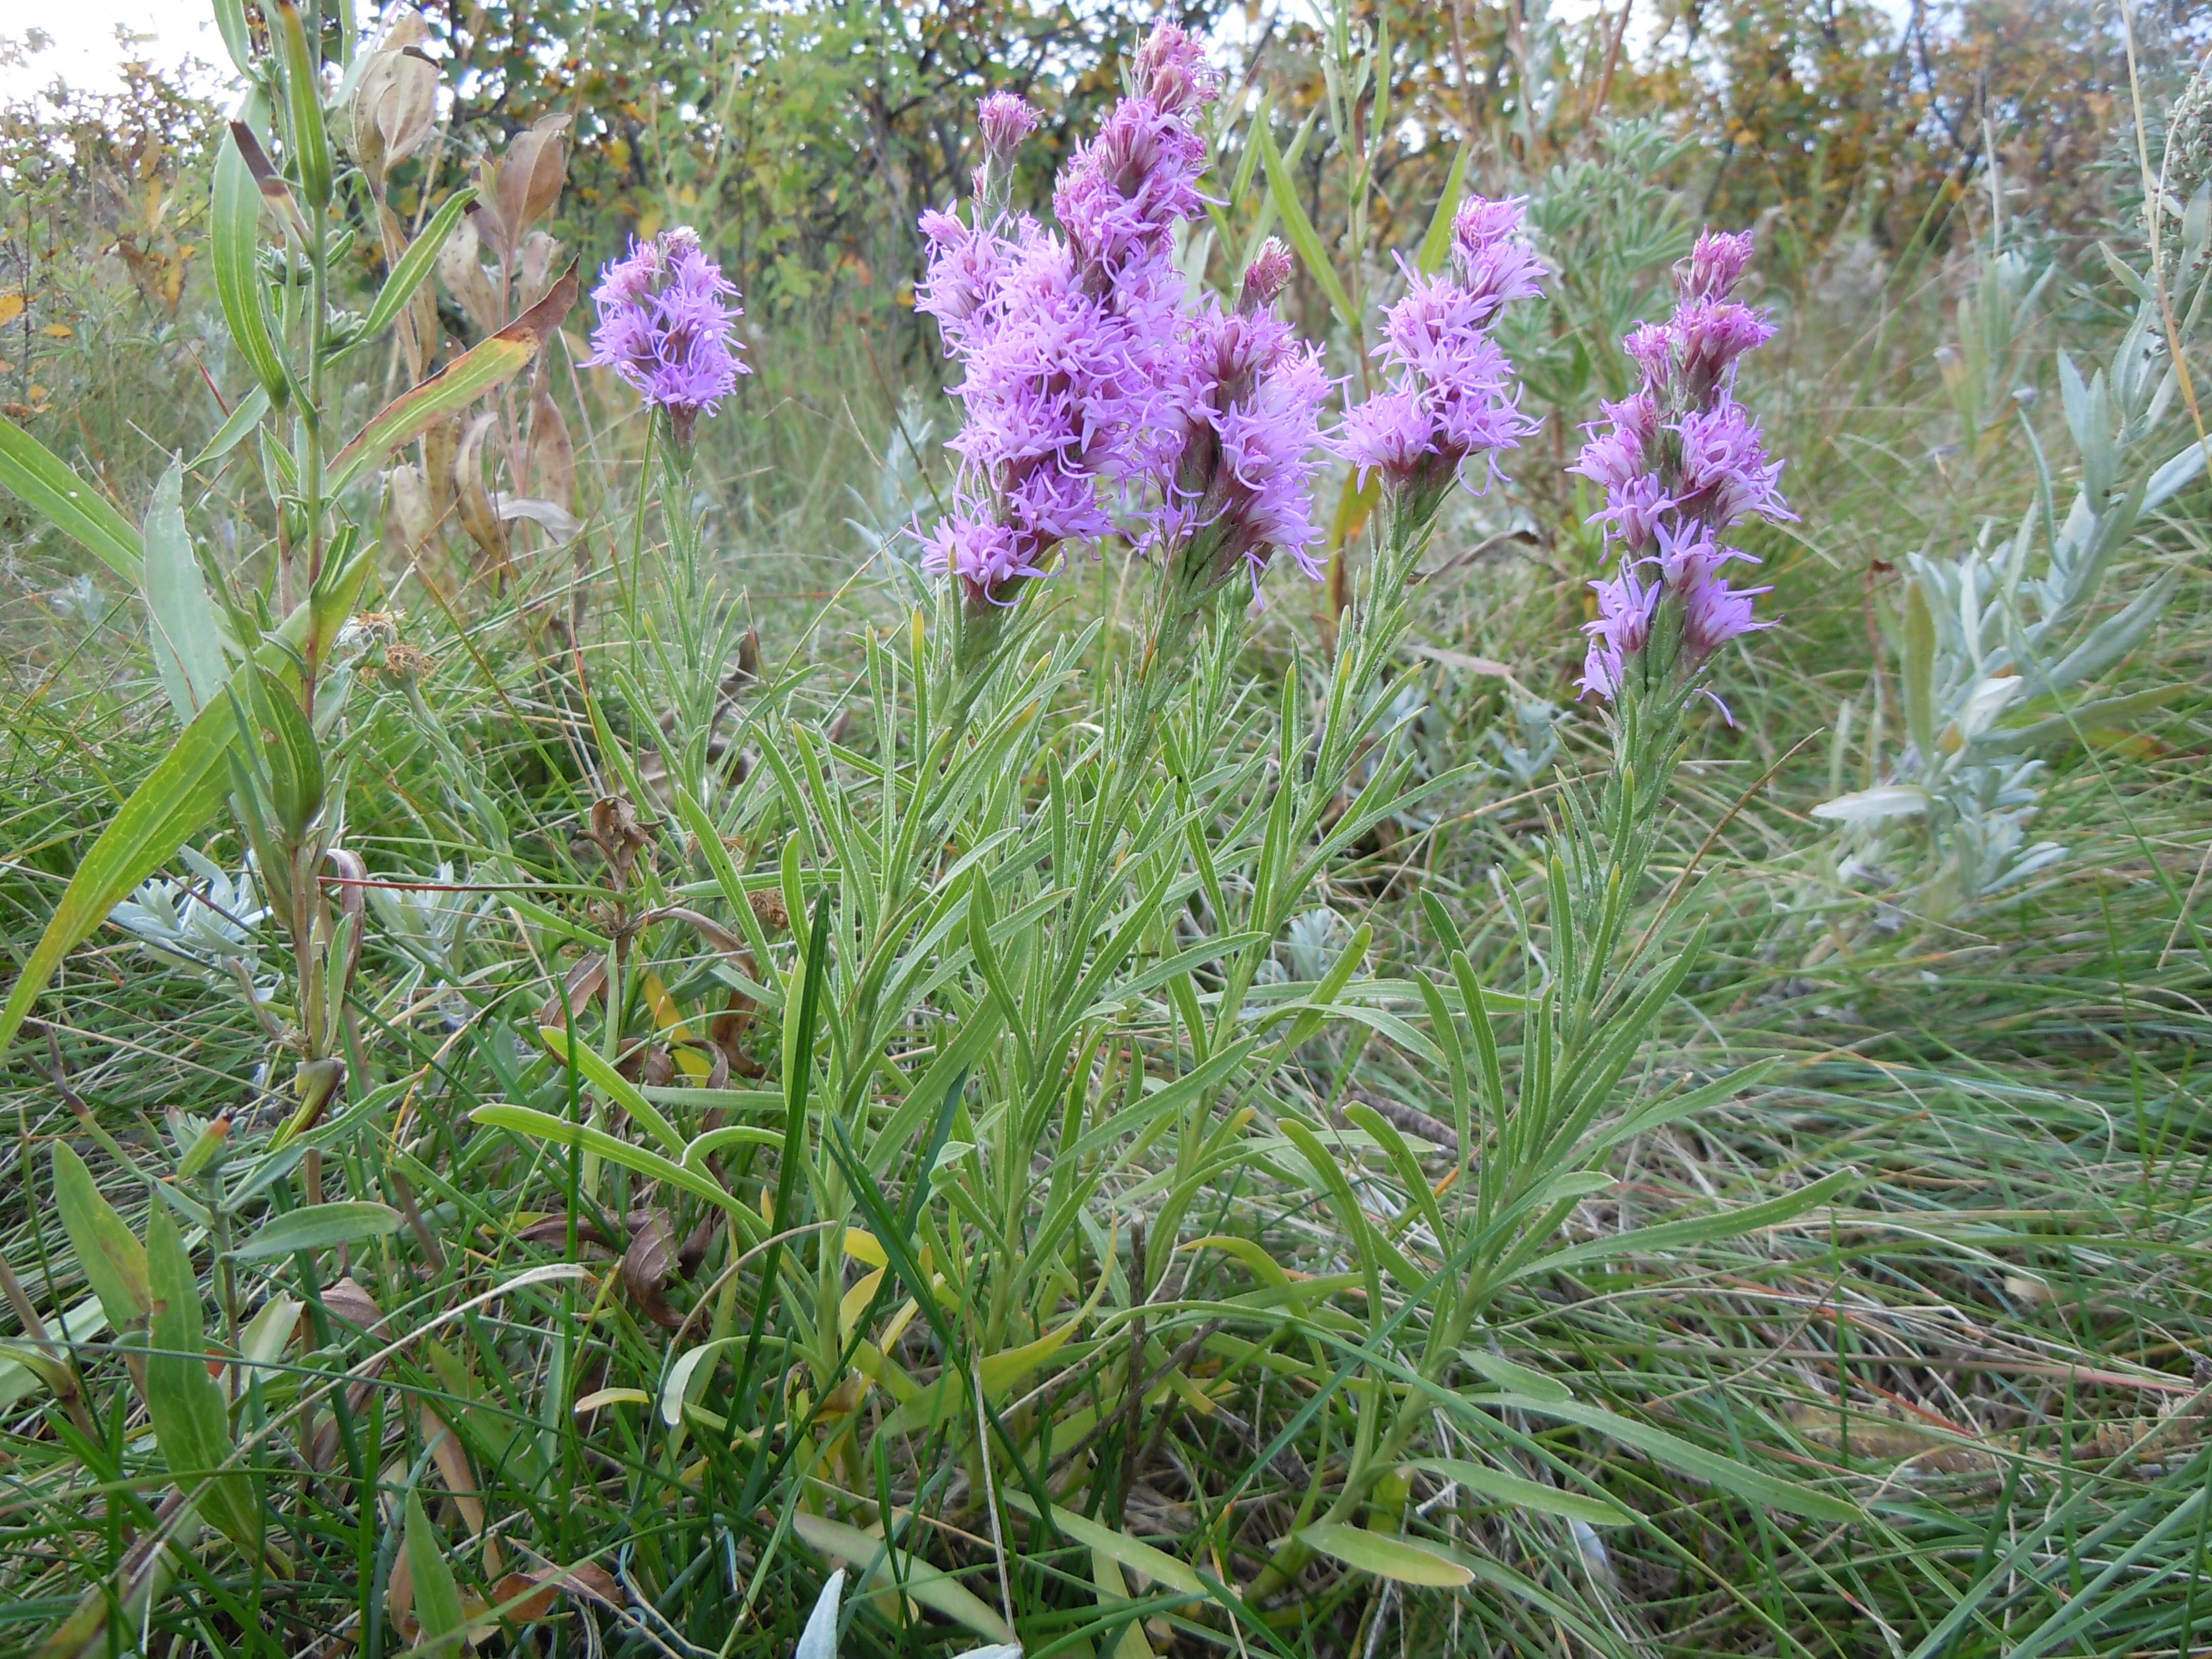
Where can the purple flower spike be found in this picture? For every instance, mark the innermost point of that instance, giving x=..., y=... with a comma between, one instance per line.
x=1006, y=119
x=1240, y=486
x=1715, y=264
x=1171, y=70
x=1451, y=394
x=1679, y=461
x=665, y=323
x=1072, y=347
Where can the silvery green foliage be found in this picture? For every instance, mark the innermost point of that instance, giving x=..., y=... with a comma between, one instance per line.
x=1997, y=650
x=207, y=924
x=1527, y=745
x=885, y=516
x=432, y=923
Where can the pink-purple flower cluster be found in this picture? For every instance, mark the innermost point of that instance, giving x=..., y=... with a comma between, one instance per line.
x=1083, y=368
x=1679, y=461
x=1451, y=395
x=1247, y=443
x=666, y=317
x=1066, y=342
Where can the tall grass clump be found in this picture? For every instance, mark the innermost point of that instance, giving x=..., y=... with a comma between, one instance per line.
x=614, y=1074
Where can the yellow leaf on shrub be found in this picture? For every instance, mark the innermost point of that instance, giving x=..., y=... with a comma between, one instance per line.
x=58, y=331
x=11, y=307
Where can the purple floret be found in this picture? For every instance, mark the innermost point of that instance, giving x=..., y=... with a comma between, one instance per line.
x=666, y=323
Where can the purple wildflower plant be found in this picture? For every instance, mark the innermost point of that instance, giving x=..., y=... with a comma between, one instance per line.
x=667, y=321
x=1679, y=462
x=1451, y=395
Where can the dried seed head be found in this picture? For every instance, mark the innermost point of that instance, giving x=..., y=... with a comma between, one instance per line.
x=2188, y=139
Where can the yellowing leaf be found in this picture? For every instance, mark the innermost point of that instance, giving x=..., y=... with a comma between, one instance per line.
x=58, y=331
x=11, y=307
x=1404, y=1560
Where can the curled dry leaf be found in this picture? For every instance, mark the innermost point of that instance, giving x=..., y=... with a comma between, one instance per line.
x=550, y=516
x=549, y=462
x=615, y=829
x=461, y=269
x=347, y=1304
x=410, y=521
x=395, y=100
x=485, y=526
x=541, y=262
x=583, y=983
x=646, y=1267
x=529, y=177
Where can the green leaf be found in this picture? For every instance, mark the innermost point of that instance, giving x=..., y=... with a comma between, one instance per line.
x=237, y=38
x=1515, y=1379
x=187, y=648
x=1671, y=1239
x=46, y=484
x=191, y=1424
x=543, y=1126
x=181, y=793
x=234, y=237
x=1299, y=228
x=1435, y=245
x=1156, y=1564
x=438, y=1606
x=251, y=408
x=887, y=1568
x=416, y=263
x=489, y=364
x=113, y=1262
x=1680, y=1456
x=1500, y=1487
x=1406, y=1560
x=316, y=1227
x=581, y=1058
x=1919, y=671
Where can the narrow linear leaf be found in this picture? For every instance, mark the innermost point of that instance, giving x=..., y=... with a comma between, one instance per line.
x=1405, y=1561
x=181, y=793
x=187, y=646
x=438, y=1608
x=1156, y=1564
x=414, y=264
x=112, y=1260
x=234, y=237
x=1499, y=1487
x=1668, y=1238
x=1675, y=1453
x=1283, y=190
x=191, y=1423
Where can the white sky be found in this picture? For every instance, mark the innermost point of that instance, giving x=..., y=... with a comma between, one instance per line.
x=84, y=52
